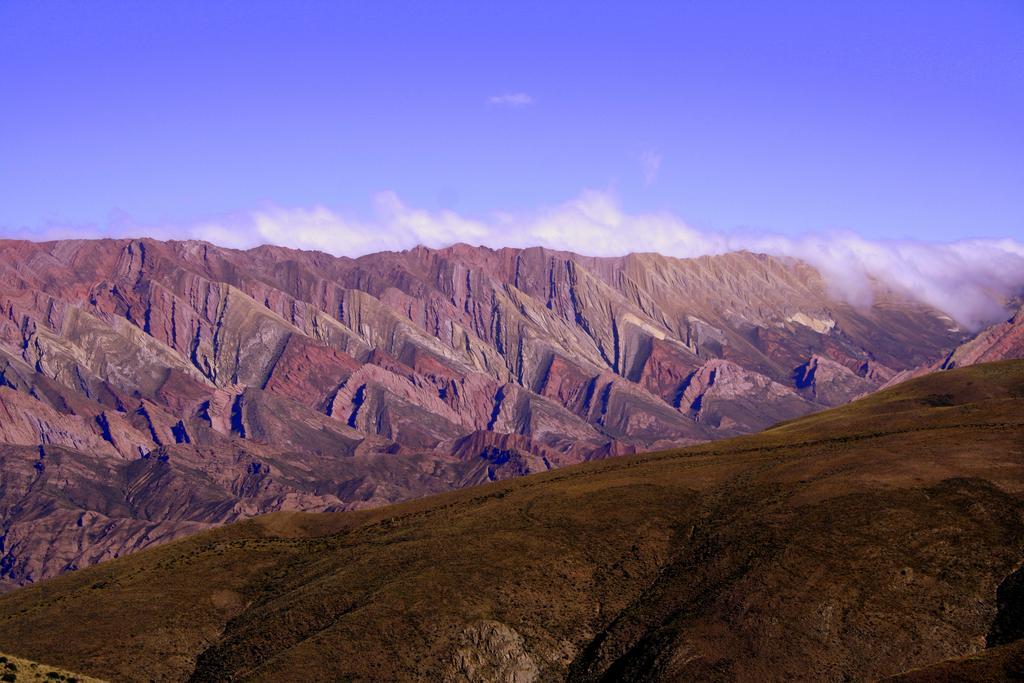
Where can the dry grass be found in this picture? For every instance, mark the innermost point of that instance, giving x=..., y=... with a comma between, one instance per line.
x=18, y=670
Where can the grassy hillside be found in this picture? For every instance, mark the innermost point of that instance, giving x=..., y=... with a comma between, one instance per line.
x=857, y=543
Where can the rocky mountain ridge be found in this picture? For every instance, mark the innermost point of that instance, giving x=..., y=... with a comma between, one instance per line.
x=149, y=389
x=1001, y=341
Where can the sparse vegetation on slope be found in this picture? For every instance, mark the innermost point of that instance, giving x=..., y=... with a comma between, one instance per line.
x=857, y=543
x=18, y=670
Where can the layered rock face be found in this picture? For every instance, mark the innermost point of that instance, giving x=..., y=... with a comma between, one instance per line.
x=149, y=389
x=1003, y=341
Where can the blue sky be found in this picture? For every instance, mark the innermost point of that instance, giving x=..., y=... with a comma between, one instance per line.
x=890, y=119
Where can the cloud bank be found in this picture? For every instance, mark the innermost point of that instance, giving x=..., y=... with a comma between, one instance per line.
x=969, y=280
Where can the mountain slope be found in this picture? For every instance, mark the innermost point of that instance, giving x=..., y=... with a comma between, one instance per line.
x=16, y=670
x=856, y=543
x=149, y=389
x=1002, y=341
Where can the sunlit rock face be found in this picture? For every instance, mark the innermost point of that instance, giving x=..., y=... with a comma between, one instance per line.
x=151, y=388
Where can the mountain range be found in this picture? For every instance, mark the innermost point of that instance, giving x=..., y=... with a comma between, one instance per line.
x=150, y=390
x=881, y=538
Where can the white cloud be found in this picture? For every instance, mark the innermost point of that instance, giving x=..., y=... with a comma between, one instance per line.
x=650, y=165
x=967, y=279
x=510, y=99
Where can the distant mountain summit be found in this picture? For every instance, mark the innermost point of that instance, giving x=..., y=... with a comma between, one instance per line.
x=149, y=389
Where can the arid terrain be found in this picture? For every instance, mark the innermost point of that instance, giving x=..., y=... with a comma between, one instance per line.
x=639, y=342
x=18, y=670
x=152, y=389
x=861, y=542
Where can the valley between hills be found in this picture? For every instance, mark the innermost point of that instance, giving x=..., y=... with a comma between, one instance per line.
x=875, y=539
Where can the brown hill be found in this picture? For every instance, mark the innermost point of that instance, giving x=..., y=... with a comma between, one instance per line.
x=1005, y=663
x=150, y=389
x=853, y=544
